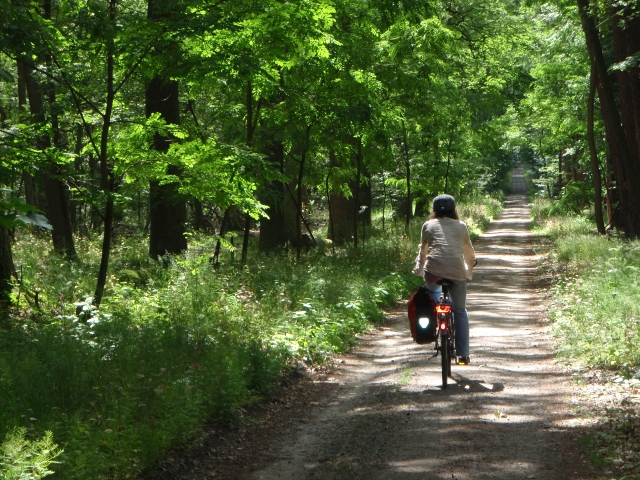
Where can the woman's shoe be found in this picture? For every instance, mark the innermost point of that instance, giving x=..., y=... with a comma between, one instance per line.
x=464, y=361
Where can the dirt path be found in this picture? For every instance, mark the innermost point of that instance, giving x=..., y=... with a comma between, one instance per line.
x=506, y=416
x=383, y=415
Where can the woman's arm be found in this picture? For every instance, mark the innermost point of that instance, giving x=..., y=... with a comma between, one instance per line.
x=468, y=253
x=421, y=259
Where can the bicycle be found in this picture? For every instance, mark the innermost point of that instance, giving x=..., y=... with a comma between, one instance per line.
x=446, y=332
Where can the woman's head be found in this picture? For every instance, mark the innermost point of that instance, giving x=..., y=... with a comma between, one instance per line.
x=444, y=206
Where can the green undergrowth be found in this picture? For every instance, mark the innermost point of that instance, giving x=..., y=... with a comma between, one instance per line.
x=595, y=309
x=176, y=345
x=595, y=291
x=479, y=213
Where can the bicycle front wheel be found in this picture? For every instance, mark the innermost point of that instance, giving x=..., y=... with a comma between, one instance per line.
x=446, y=360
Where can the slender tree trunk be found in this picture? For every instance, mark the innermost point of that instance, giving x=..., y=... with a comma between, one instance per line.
x=250, y=130
x=106, y=178
x=446, y=176
x=299, y=187
x=593, y=153
x=299, y=206
x=7, y=268
x=612, y=198
x=77, y=165
x=627, y=168
x=366, y=196
x=223, y=232
x=326, y=188
x=407, y=164
x=384, y=202
x=356, y=193
x=27, y=179
x=94, y=214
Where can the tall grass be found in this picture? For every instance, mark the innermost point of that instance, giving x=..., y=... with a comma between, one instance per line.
x=596, y=294
x=477, y=213
x=174, y=346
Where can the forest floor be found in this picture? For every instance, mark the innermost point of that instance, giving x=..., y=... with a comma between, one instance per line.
x=381, y=413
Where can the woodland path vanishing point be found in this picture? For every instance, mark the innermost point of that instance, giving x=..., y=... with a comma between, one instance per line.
x=382, y=415
x=506, y=416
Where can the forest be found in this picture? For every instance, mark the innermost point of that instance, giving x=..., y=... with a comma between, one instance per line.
x=197, y=196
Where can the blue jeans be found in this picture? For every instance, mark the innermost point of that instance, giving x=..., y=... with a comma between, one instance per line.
x=458, y=297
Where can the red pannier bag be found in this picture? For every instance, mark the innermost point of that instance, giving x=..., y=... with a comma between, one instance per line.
x=422, y=315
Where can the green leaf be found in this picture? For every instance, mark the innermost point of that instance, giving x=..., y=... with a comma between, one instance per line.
x=6, y=76
x=34, y=219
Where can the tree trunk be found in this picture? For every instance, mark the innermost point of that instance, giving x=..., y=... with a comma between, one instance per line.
x=198, y=215
x=560, y=183
x=422, y=207
x=626, y=168
x=593, y=153
x=299, y=206
x=168, y=214
x=407, y=166
x=341, y=226
x=326, y=189
x=250, y=130
x=356, y=193
x=77, y=166
x=626, y=39
x=27, y=179
x=366, y=197
x=7, y=268
x=612, y=197
x=167, y=207
x=273, y=233
x=340, y=229
x=55, y=191
x=94, y=214
x=446, y=175
x=106, y=175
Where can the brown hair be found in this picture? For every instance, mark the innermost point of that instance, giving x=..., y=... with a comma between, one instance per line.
x=450, y=214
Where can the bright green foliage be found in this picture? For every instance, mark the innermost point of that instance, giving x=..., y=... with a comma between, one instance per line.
x=23, y=459
x=552, y=116
x=596, y=295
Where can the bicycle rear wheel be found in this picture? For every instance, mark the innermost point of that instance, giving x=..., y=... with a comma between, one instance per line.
x=446, y=360
x=452, y=342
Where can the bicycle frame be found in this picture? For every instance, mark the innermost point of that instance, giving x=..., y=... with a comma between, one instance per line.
x=445, y=340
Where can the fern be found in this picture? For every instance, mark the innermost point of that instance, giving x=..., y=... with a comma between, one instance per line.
x=22, y=459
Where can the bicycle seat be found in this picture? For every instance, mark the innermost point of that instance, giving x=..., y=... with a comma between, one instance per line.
x=445, y=282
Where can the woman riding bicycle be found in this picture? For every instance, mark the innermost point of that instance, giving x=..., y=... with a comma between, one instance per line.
x=446, y=252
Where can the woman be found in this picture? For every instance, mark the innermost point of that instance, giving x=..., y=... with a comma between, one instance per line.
x=446, y=252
